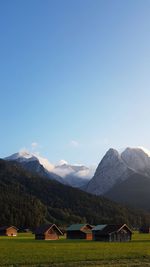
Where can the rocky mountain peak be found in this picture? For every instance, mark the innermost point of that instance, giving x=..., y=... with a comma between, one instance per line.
x=111, y=169
x=112, y=152
x=111, y=155
x=22, y=156
x=136, y=158
x=115, y=168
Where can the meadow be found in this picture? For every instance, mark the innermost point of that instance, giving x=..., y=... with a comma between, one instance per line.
x=24, y=250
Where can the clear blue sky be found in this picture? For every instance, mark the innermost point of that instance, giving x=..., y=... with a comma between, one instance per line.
x=74, y=77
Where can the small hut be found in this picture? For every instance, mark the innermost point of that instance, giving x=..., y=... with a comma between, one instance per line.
x=112, y=233
x=79, y=231
x=48, y=232
x=8, y=231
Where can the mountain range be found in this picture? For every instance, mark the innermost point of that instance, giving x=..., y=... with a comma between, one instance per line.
x=73, y=175
x=28, y=200
x=122, y=177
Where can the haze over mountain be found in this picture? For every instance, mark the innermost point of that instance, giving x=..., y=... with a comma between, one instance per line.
x=74, y=175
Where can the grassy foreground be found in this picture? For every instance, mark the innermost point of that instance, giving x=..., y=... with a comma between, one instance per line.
x=25, y=251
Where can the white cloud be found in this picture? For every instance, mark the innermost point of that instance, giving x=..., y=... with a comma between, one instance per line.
x=34, y=145
x=74, y=143
x=46, y=164
x=63, y=171
x=87, y=174
x=68, y=169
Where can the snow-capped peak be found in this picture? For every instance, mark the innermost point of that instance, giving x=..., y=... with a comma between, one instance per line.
x=62, y=162
x=25, y=155
x=21, y=156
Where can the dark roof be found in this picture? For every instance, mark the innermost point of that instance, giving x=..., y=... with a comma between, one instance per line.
x=75, y=227
x=99, y=227
x=45, y=227
x=111, y=228
x=78, y=227
x=2, y=228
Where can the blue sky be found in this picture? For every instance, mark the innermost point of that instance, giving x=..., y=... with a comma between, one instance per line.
x=74, y=77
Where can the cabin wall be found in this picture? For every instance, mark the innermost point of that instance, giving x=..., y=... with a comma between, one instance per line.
x=51, y=236
x=114, y=237
x=98, y=237
x=89, y=236
x=47, y=236
x=123, y=237
x=76, y=235
x=11, y=232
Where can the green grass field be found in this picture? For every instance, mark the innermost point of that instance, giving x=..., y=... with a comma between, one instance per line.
x=25, y=251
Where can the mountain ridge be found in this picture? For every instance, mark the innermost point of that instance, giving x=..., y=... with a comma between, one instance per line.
x=28, y=200
x=74, y=175
x=32, y=163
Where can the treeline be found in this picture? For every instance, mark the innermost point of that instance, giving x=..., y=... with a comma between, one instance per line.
x=27, y=200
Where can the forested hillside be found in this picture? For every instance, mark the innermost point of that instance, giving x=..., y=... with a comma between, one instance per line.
x=27, y=200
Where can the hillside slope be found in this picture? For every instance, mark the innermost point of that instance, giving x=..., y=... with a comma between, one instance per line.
x=35, y=164
x=26, y=200
x=134, y=192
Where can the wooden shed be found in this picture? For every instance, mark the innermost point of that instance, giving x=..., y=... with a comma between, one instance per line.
x=112, y=233
x=79, y=231
x=48, y=232
x=8, y=231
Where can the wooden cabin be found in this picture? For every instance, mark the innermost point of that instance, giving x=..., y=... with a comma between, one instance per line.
x=112, y=233
x=8, y=231
x=79, y=231
x=48, y=232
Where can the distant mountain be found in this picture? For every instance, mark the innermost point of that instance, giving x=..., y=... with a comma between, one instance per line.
x=35, y=164
x=76, y=181
x=73, y=175
x=124, y=177
x=27, y=200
